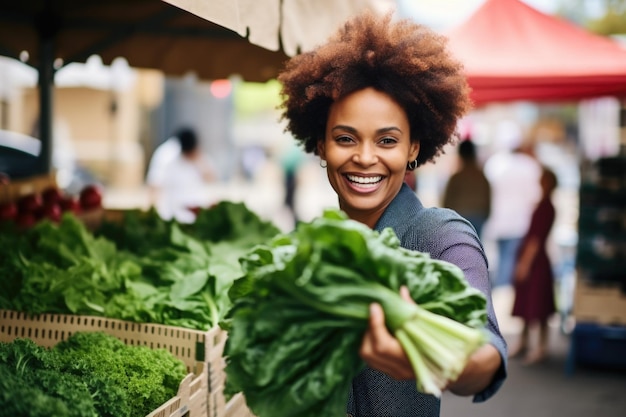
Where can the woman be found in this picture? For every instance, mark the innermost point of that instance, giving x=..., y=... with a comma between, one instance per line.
x=378, y=99
x=533, y=278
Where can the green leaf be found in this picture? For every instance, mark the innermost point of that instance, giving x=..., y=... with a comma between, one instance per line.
x=189, y=285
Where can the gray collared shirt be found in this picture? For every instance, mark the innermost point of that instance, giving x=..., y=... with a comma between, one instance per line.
x=447, y=236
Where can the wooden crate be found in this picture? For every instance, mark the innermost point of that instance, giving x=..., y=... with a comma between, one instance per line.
x=186, y=402
x=601, y=304
x=236, y=407
x=19, y=188
x=199, y=393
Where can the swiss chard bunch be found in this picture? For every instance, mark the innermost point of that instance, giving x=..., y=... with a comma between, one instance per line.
x=302, y=308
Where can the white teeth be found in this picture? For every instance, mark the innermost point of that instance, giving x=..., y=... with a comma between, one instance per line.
x=364, y=180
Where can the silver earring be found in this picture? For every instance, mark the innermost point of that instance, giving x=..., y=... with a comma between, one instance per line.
x=323, y=163
x=412, y=165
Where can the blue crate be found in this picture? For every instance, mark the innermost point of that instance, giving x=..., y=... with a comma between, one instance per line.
x=597, y=345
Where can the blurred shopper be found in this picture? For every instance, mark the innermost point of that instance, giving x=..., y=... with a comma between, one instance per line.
x=180, y=183
x=163, y=155
x=252, y=158
x=290, y=162
x=514, y=178
x=468, y=191
x=533, y=275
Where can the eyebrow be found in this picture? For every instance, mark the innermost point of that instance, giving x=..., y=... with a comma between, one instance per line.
x=378, y=131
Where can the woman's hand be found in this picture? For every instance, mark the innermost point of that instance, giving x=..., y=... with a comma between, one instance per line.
x=380, y=350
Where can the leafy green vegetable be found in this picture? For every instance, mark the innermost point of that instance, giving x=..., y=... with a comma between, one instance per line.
x=137, y=231
x=227, y=221
x=39, y=403
x=31, y=371
x=142, y=269
x=90, y=374
x=147, y=377
x=301, y=309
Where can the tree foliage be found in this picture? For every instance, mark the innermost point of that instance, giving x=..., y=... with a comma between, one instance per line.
x=603, y=17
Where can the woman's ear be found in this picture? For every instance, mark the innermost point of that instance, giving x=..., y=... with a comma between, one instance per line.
x=414, y=150
x=321, y=149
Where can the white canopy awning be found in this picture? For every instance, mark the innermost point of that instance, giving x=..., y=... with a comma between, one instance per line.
x=299, y=25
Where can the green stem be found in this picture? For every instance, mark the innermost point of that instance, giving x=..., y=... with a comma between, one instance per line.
x=423, y=375
x=442, y=356
x=444, y=345
x=215, y=316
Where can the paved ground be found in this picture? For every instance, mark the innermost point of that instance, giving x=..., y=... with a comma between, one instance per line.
x=545, y=389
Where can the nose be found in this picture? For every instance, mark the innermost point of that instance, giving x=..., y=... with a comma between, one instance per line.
x=365, y=155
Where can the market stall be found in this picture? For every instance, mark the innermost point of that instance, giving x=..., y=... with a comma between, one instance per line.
x=511, y=52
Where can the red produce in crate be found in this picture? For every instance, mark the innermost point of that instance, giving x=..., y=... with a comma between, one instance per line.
x=71, y=204
x=90, y=197
x=29, y=203
x=52, y=195
x=52, y=211
x=8, y=211
x=25, y=220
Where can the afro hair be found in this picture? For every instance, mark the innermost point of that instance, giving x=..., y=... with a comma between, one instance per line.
x=405, y=60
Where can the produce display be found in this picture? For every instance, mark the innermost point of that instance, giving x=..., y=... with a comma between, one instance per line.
x=295, y=305
x=142, y=269
x=300, y=311
x=49, y=204
x=89, y=374
x=135, y=267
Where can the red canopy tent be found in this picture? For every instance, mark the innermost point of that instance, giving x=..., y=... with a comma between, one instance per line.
x=513, y=52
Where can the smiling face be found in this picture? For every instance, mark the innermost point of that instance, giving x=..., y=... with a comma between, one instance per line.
x=367, y=147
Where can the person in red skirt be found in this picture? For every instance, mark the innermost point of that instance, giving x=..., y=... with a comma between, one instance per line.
x=533, y=276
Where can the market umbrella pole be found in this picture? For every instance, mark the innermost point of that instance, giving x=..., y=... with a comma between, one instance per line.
x=46, y=98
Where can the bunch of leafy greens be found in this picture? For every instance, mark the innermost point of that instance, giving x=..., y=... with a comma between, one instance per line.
x=87, y=375
x=142, y=269
x=301, y=310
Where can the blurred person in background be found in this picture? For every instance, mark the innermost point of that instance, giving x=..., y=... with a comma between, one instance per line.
x=533, y=278
x=513, y=174
x=381, y=98
x=165, y=153
x=468, y=191
x=290, y=162
x=179, y=182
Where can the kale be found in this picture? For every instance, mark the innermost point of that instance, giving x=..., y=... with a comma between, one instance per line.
x=31, y=373
x=89, y=374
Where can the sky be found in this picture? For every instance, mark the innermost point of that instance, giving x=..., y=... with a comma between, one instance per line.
x=444, y=14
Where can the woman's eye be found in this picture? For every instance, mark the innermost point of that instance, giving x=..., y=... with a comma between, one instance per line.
x=343, y=139
x=388, y=141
